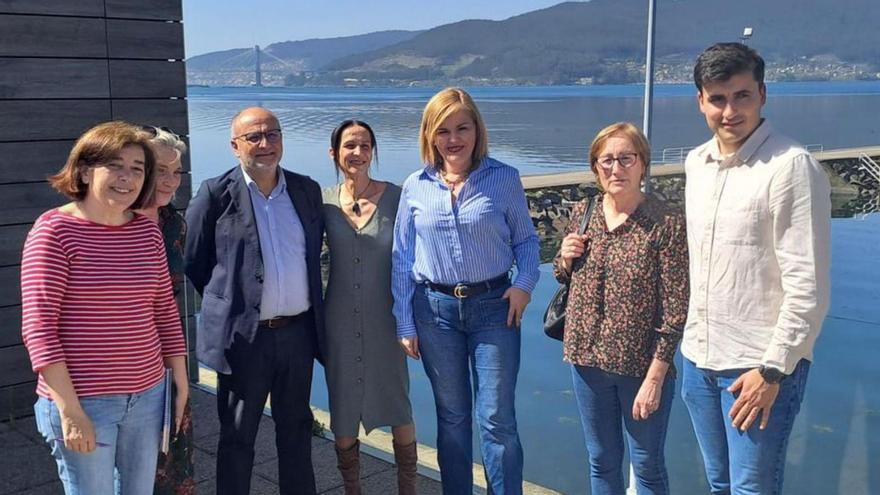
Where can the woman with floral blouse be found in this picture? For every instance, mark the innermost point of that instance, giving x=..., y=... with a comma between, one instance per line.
x=626, y=310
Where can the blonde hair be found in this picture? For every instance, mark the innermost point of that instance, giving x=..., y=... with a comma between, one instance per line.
x=624, y=130
x=439, y=108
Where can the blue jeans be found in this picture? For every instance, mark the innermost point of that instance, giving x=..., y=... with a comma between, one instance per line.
x=740, y=463
x=461, y=340
x=605, y=403
x=128, y=428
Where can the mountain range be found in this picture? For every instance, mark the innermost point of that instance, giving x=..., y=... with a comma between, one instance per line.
x=593, y=42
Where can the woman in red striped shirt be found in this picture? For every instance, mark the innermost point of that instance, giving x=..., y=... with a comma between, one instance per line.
x=99, y=319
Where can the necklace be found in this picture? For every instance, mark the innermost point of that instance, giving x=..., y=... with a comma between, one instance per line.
x=452, y=183
x=355, y=206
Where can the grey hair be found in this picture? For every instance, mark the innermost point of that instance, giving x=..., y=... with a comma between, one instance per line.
x=169, y=139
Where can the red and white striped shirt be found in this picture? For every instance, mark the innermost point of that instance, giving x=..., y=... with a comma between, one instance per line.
x=99, y=299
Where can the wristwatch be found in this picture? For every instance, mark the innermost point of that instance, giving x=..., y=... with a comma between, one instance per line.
x=771, y=375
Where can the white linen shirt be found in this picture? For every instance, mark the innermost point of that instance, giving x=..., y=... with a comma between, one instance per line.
x=758, y=227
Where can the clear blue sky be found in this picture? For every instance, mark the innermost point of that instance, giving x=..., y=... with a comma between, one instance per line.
x=222, y=24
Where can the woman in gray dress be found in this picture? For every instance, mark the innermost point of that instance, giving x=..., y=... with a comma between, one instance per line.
x=365, y=367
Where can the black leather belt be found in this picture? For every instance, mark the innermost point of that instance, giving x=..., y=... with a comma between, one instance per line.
x=282, y=321
x=462, y=291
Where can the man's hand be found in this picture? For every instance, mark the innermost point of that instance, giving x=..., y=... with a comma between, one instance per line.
x=410, y=346
x=518, y=299
x=755, y=397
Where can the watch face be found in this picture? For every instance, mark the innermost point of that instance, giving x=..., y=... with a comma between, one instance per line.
x=771, y=375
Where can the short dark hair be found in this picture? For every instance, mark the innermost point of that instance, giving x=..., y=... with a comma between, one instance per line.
x=722, y=61
x=336, y=139
x=97, y=146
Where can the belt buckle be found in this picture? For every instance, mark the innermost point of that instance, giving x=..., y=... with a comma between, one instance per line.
x=460, y=291
x=274, y=323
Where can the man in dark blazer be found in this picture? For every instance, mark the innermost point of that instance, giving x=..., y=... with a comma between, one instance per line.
x=252, y=251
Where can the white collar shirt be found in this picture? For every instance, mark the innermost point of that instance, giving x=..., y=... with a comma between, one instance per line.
x=758, y=227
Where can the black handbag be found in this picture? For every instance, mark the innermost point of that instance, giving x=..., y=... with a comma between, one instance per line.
x=554, y=315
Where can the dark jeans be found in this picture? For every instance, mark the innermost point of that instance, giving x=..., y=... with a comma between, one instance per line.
x=605, y=402
x=279, y=361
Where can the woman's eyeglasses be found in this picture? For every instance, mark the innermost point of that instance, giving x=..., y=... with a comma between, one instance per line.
x=626, y=160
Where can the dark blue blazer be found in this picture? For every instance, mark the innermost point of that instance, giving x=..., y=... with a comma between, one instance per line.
x=225, y=264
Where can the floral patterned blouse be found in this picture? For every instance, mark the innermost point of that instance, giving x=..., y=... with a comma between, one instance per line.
x=628, y=298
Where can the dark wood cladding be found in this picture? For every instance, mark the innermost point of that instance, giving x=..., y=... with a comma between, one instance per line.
x=53, y=78
x=65, y=66
x=167, y=113
x=147, y=79
x=29, y=162
x=44, y=36
x=164, y=10
x=145, y=39
x=30, y=120
x=90, y=8
x=10, y=330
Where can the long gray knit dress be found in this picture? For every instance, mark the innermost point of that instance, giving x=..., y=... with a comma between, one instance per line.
x=366, y=367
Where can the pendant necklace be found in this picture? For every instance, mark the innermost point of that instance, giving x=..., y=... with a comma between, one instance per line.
x=355, y=206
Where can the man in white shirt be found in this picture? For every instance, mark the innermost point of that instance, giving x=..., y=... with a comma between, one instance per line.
x=758, y=218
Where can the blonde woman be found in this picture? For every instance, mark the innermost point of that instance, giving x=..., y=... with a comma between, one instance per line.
x=462, y=224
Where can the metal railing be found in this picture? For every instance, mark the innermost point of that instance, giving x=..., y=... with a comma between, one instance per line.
x=868, y=164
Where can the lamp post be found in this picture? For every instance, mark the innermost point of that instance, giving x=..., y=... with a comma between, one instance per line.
x=747, y=33
x=649, y=85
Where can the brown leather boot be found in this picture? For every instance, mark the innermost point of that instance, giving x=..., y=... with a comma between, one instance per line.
x=406, y=457
x=349, y=463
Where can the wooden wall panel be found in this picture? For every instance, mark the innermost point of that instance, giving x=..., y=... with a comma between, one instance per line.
x=53, y=78
x=147, y=79
x=42, y=36
x=162, y=113
x=10, y=330
x=18, y=400
x=26, y=120
x=15, y=365
x=93, y=8
x=11, y=241
x=28, y=162
x=23, y=203
x=165, y=10
x=10, y=295
x=66, y=66
x=145, y=39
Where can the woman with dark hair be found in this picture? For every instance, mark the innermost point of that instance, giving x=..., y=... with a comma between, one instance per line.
x=365, y=368
x=462, y=224
x=627, y=305
x=174, y=475
x=99, y=319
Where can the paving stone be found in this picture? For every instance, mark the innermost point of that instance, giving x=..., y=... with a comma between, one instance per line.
x=31, y=466
x=259, y=486
x=385, y=483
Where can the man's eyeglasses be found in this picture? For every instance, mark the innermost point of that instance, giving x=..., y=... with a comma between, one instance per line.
x=271, y=136
x=626, y=160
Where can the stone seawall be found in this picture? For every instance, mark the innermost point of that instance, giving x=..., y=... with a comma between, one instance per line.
x=854, y=192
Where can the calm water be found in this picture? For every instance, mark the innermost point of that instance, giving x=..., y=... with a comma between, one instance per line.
x=836, y=439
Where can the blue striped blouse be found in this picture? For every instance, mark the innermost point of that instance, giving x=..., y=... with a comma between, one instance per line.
x=478, y=238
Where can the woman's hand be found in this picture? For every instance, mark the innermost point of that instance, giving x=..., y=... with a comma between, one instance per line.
x=573, y=246
x=181, y=396
x=518, y=299
x=410, y=346
x=647, y=399
x=78, y=431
